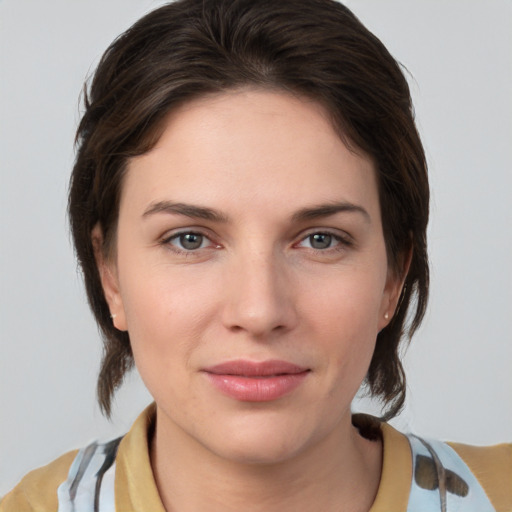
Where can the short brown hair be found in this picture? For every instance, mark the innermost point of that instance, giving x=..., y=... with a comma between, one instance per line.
x=314, y=48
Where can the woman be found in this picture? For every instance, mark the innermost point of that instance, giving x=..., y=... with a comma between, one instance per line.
x=249, y=205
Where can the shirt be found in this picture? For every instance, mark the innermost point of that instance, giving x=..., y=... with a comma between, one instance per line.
x=135, y=489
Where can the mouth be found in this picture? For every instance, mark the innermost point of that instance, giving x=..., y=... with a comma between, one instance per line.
x=250, y=381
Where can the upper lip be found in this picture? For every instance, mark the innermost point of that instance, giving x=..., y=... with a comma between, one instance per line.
x=246, y=368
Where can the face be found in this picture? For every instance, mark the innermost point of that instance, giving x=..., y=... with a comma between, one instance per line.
x=251, y=275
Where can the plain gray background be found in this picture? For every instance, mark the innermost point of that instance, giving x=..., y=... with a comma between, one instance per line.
x=459, y=366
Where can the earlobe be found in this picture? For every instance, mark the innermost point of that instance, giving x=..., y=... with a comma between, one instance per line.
x=109, y=280
x=394, y=286
x=389, y=302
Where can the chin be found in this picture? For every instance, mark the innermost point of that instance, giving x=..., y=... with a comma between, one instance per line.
x=262, y=452
x=264, y=442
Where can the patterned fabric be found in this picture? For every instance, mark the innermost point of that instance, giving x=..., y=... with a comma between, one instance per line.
x=90, y=483
x=442, y=482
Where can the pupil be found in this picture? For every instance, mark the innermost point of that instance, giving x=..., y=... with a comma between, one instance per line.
x=321, y=241
x=191, y=241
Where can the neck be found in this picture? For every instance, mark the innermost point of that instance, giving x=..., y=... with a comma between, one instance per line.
x=339, y=473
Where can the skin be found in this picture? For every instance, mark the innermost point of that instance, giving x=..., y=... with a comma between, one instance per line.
x=259, y=286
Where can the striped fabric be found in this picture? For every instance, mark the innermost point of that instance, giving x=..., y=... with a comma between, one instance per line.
x=442, y=482
x=90, y=483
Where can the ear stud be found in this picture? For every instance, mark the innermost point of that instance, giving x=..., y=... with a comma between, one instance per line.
x=386, y=315
x=112, y=315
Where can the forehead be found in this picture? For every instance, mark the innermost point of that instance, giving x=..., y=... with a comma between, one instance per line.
x=266, y=146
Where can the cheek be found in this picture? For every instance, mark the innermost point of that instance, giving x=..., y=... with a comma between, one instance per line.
x=166, y=313
x=348, y=303
x=344, y=317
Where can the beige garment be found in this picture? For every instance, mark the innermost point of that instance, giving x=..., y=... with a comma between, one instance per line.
x=136, y=491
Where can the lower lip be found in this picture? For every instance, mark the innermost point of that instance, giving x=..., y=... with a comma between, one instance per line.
x=257, y=389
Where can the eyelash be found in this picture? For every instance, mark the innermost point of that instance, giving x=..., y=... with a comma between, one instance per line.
x=167, y=241
x=343, y=242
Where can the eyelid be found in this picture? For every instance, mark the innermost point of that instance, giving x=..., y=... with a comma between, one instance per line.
x=344, y=238
x=341, y=235
x=176, y=233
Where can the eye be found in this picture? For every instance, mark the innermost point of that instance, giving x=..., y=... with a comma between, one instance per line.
x=188, y=241
x=325, y=241
x=320, y=241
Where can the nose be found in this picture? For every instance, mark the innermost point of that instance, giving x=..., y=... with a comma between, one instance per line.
x=260, y=297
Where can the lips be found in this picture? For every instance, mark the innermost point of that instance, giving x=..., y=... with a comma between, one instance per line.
x=250, y=381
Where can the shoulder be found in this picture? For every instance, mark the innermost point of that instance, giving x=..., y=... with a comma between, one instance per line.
x=418, y=474
x=38, y=489
x=468, y=477
x=492, y=466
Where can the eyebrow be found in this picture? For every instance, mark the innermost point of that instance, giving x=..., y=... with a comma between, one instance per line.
x=304, y=214
x=328, y=209
x=188, y=210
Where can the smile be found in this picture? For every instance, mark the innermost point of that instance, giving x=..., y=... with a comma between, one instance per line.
x=256, y=381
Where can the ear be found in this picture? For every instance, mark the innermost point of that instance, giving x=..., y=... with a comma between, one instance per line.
x=109, y=279
x=394, y=283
